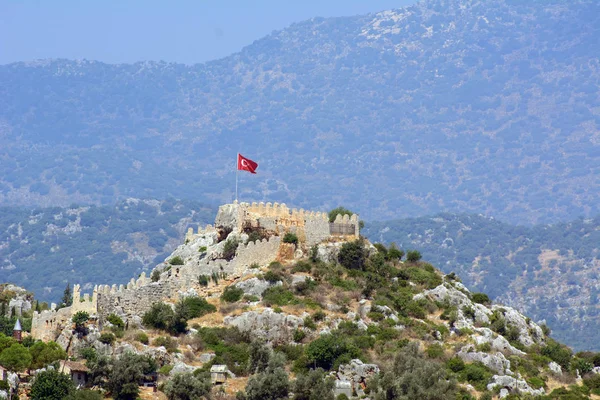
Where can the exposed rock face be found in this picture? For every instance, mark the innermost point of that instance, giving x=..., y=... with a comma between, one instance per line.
x=255, y=286
x=514, y=385
x=529, y=332
x=356, y=373
x=269, y=325
x=555, y=368
x=497, y=342
x=447, y=292
x=496, y=362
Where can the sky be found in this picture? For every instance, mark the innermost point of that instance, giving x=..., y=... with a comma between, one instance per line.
x=126, y=31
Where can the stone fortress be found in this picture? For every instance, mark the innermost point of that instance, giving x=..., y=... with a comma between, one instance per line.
x=202, y=254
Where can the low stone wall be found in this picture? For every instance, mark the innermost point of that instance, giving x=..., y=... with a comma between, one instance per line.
x=261, y=252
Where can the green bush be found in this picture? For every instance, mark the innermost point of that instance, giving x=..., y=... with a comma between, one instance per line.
x=327, y=349
x=319, y=315
x=290, y=238
x=176, y=261
x=481, y=298
x=203, y=280
x=194, y=307
x=155, y=276
x=353, y=255
x=160, y=316
x=116, y=321
x=107, y=338
x=279, y=296
x=167, y=342
x=558, y=353
x=298, y=335
x=142, y=337
x=229, y=249
x=435, y=351
x=272, y=277
x=413, y=256
x=302, y=266
x=232, y=294
x=477, y=375
x=455, y=364
x=50, y=385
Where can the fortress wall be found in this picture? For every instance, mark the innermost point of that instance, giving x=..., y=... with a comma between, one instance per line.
x=316, y=228
x=47, y=325
x=261, y=252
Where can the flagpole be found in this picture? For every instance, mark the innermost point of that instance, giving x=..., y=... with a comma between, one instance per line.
x=236, y=177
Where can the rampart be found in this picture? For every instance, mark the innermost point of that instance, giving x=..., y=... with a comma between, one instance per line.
x=203, y=255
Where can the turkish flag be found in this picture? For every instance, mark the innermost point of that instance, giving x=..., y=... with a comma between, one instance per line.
x=246, y=164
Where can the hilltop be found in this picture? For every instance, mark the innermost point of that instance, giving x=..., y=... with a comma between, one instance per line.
x=454, y=105
x=274, y=301
x=548, y=272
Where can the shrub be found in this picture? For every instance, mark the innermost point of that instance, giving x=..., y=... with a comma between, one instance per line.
x=309, y=323
x=319, y=315
x=194, y=307
x=481, y=298
x=455, y=364
x=394, y=253
x=558, y=353
x=203, y=280
x=353, y=255
x=313, y=385
x=232, y=294
x=155, y=276
x=290, y=238
x=302, y=266
x=176, y=261
x=165, y=369
x=184, y=386
x=477, y=375
x=327, y=349
x=435, y=351
x=125, y=374
x=107, y=338
x=116, y=321
x=298, y=335
x=142, y=337
x=279, y=296
x=229, y=249
x=413, y=256
x=202, y=249
x=160, y=316
x=51, y=384
x=272, y=277
x=167, y=342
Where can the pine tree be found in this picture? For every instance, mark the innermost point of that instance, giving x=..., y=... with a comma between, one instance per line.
x=67, y=298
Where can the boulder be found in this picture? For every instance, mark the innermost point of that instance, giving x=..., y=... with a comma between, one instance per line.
x=180, y=368
x=269, y=325
x=496, y=362
x=529, y=332
x=356, y=372
x=497, y=342
x=255, y=286
x=555, y=368
x=513, y=385
x=447, y=292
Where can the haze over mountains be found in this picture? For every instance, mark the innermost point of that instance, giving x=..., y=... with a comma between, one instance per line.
x=459, y=106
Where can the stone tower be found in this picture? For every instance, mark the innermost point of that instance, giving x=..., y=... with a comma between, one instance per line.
x=17, y=331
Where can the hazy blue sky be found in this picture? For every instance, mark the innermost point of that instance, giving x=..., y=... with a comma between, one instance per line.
x=183, y=31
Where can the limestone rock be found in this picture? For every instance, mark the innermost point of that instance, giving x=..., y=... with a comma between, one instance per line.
x=555, y=368
x=513, y=385
x=496, y=362
x=180, y=367
x=364, y=308
x=159, y=354
x=357, y=373
x=447, y=292
x=206, y=357
x=529, y=332
x=497, y=342
x=255, y=286
x=269, y=325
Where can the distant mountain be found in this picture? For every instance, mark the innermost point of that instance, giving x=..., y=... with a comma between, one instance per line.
x=549, y=272
x=46, y=248
x=469, y=106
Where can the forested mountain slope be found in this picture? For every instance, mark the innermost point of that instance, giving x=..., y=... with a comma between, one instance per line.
x=549, y=272
x=468, y=106
x=46, y=248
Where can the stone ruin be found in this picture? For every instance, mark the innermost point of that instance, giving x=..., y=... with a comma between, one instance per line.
x=202, y=254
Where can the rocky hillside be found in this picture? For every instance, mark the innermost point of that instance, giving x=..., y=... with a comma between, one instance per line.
x=350, y=319
x=548, y=272
x=464, y=105
x=46, y=248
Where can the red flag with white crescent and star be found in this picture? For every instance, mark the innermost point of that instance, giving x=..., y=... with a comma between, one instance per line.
x=246, y=164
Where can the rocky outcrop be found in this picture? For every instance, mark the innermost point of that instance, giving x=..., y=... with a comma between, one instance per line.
x=496, y=362
x=355, y=375
x=255, y=286
x=529, y=332
x=269, y=325
x=497, y=342
x=513, y=385
x=448, y=293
